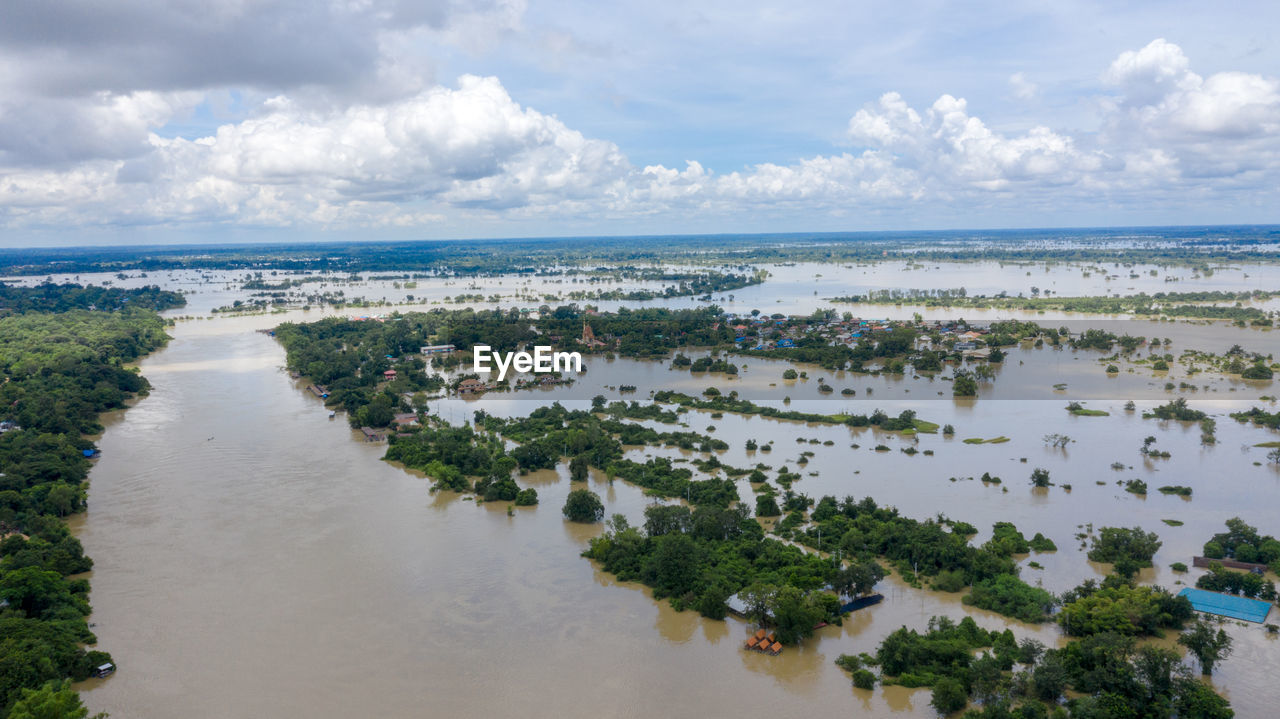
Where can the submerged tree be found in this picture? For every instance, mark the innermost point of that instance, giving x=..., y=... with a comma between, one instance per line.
x=1208, y=646
x=583, y=505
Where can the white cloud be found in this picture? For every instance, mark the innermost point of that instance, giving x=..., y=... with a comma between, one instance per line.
x=1223, y=126
x=1022, y=88
x=422, y=156
x=471, y=147
x=947, y=149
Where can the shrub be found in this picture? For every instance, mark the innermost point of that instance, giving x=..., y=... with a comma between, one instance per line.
x=1115, y=544
x=949, y=696
x=1257, y=371
x=864, y=679
x=527, y=497
x=766, y=506
x=1041, y=543
x=1121, y=609
x=1011, y=597
x=949, y=580
x=583, y=505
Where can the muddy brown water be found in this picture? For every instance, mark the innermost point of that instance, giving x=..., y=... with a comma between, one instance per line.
x=254, y=558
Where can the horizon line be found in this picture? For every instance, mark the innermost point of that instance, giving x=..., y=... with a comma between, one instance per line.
x=274, y=243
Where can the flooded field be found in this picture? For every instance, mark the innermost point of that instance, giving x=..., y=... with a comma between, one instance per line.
x=255, y=558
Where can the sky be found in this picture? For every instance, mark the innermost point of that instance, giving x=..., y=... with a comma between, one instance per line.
x=144, y=122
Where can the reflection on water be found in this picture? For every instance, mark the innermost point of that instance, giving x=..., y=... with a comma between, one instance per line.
x=253, y=560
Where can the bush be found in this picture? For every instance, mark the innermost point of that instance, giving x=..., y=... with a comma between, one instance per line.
x=1257, y=371
x=949, y=696
x=949, y=580
x=1121, y=609
x=864, y=679
x=1011, y=597
x=790, y=374
x=527, y=497
x=1041, y=543
x=1118, y=544
x=766, y=506
x=583, y=505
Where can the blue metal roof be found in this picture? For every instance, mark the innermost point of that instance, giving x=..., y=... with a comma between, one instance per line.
x=1226, y=605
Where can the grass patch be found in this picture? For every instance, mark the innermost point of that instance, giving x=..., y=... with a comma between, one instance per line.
x=1267, y=445
x=925, y=427
x=994, y=440
x=1173, y=522
x=1082, y=412
x=1176, y=489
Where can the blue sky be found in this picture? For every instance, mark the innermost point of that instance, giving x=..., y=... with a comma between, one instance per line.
x=141, y=121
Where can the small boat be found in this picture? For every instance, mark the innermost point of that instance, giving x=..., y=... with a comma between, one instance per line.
x=332, y=415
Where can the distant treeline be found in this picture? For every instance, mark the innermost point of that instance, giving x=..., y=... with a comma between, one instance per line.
x=49, y=297
x=1166, y=245
x=1159, y=303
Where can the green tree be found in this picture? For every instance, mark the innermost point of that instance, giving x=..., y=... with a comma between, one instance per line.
x=1117, y=544
x=964, y=385
x=53, y=700
x=34, y=591
x=949, y=696
x=986, y=676
x=676, y=560
x=1207, y=645
x=767, y=506
x=578, y=469
x=1040, y=477
x=758, y=598
x=858, y=578
x=583, y=505
x=62, y=499
x=864, y=679
x=795, y=613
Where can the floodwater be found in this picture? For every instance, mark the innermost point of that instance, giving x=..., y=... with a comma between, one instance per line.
x=254, y=558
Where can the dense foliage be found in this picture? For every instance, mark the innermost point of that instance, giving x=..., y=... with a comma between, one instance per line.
x=700, y=558
x=1103, y=675
x=350, y=358
x=49, y=297
x=1258, y=416
x=1120, y=607
x=61, y=371
x=930, y=549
